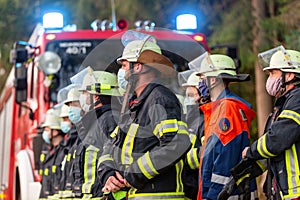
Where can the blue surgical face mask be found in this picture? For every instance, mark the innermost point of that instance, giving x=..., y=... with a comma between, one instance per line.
x=121, y=79
x=203, y=88
x=65, y=126
x=46, y=137
x=74, y=114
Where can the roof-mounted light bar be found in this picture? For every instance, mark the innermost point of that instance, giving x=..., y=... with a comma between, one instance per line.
x=53, y=20
x=186, y=22
x=144, y=25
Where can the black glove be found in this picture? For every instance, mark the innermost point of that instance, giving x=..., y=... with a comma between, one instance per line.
x=227, y=190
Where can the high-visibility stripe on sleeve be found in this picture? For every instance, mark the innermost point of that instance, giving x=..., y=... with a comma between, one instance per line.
x=290, y=114
x=193, y=139
x=262, y=147
x=166, y=126
x=146, y=166
x=192, y=159
x=105, y=158
x=182, y=128
x=170, y=126
x=216, y=178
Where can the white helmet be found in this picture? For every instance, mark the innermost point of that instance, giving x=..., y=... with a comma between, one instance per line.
x=52, y=119
x=280, y=58
x=133, y=49
x=64, y=111
x=73, y=95
x=193, y=80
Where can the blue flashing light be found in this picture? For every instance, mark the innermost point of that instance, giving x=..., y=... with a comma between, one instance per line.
x=186, y=22
x=53, y=20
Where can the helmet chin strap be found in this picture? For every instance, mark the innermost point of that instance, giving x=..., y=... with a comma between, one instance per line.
x=284, y=84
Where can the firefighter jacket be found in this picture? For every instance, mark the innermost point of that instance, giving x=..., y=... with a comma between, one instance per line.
x=50, y=171
x=227, y=123
x=149, y=147
x=67, y=180
x=93, y=135
x=281, y=144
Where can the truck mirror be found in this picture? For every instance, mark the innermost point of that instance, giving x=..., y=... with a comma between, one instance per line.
x=19, y=55
x=20, y=83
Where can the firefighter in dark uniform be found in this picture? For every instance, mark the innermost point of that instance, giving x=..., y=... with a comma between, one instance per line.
x=145, y=154
x=54, y=137
x=74, y=115
x=97, y=92
x=281, y=142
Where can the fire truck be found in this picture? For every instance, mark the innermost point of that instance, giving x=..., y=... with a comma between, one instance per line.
x=42, y=66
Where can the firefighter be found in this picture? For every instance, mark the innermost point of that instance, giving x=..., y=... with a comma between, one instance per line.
x=281, y=142
x=227, y=121
x=54, y=137
x=146, y=150
x=97, y=92
x=73, y=115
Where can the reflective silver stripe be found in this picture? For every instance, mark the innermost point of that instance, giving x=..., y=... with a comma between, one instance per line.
x=126, y=157
x=166, y=126
x=219, y=179
x=292, y=168
x=165, y=196
x=192, y=158
x=104, y=158
x=146, y=166
x=179, y=168
x=89, y=168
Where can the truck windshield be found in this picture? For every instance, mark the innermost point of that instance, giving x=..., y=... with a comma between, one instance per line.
x=78, y=54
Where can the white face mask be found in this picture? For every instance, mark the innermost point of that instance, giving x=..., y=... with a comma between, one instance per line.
x=121, y=79
x=83, y=103
x=189, y=101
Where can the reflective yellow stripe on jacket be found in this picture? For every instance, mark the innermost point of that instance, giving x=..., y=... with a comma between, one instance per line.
x=293, y=172
x=90, y=160
x=169, y=126
x=146, y=166
x=192, y=155
x=262, y=147
x=165, y=196
x=126, y=155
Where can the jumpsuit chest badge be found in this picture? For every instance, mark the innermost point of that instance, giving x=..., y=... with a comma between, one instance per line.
x=224, y=124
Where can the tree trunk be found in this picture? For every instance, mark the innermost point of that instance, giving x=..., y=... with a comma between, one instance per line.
x=263, y=100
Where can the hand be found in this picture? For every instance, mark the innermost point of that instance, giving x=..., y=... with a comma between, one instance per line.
x=114, y=184
x=245, y=152
x=126, y=183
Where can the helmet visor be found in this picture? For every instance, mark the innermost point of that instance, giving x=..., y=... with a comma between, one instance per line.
x=264, y=58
